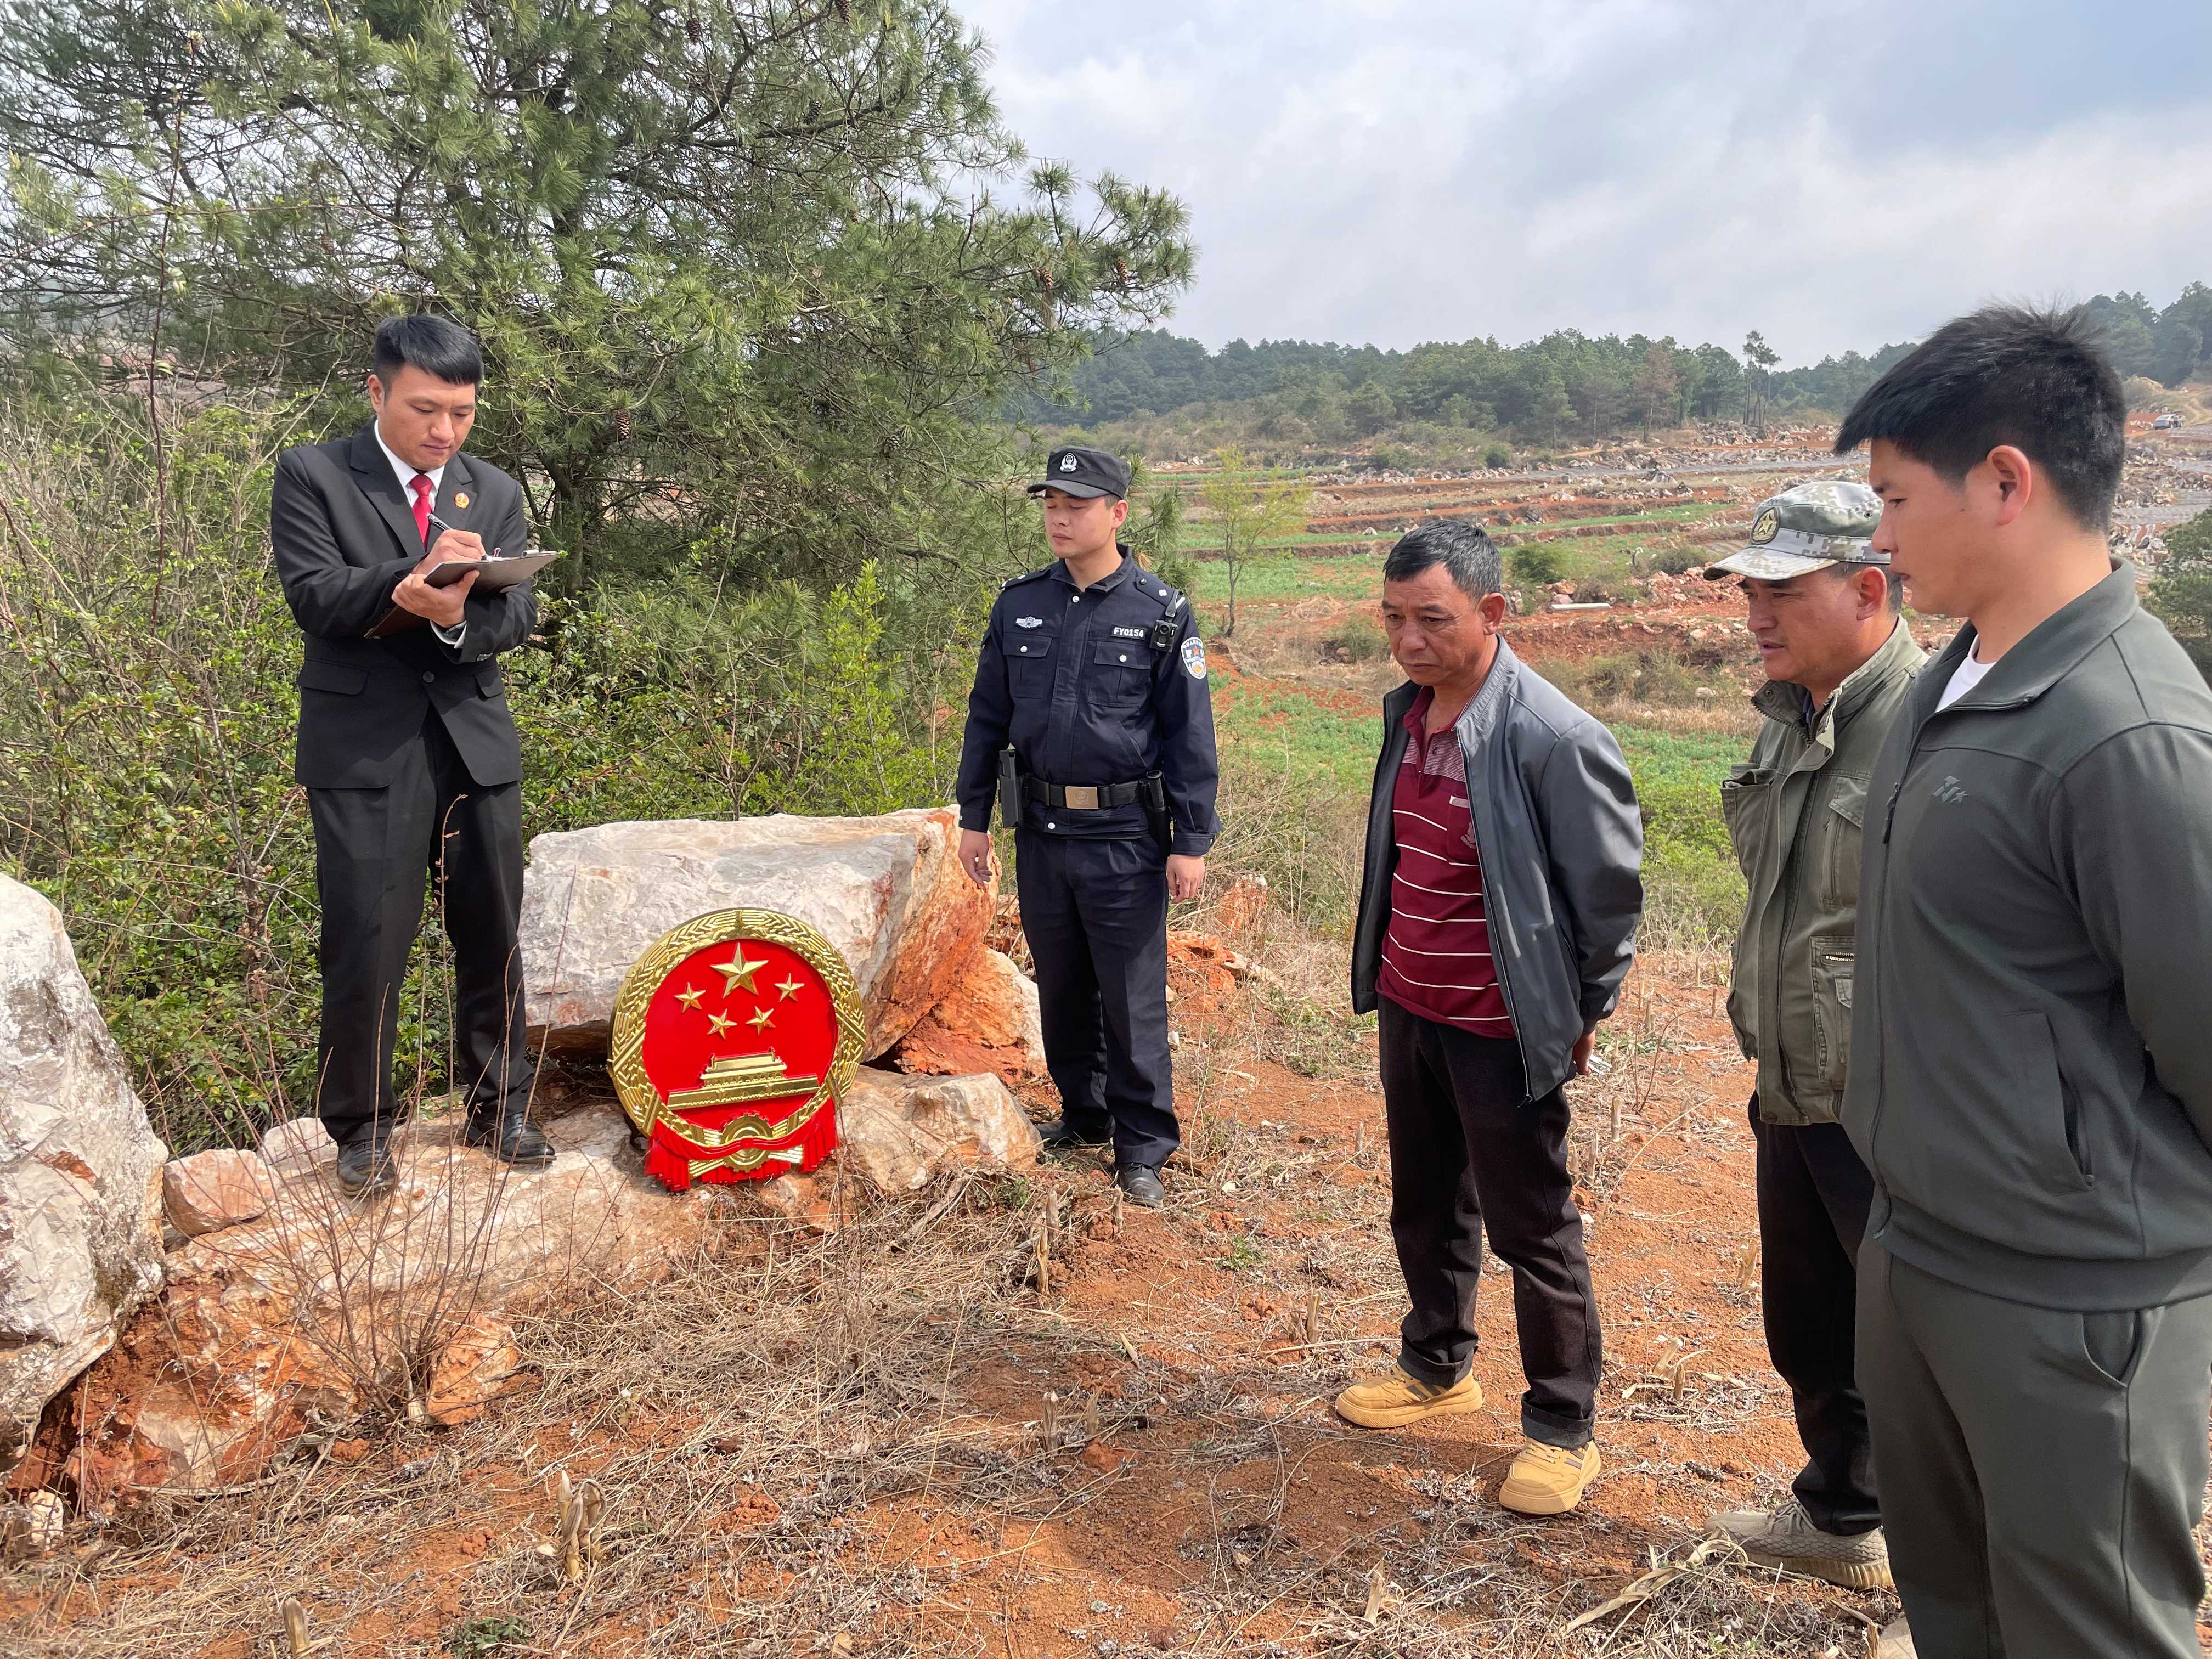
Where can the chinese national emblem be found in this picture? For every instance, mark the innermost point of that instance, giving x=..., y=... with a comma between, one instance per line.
x=734, y=1036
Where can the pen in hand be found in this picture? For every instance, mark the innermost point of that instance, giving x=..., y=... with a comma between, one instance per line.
x=442, y=524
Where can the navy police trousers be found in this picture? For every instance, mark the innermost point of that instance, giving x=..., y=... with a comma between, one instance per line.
x=1096, y=916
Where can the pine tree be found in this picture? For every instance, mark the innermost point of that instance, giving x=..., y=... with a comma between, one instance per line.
x=759, y=264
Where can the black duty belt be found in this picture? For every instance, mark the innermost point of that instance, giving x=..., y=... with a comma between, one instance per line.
x=1082, y=797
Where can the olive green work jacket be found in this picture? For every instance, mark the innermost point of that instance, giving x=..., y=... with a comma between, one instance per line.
x=1794, y=811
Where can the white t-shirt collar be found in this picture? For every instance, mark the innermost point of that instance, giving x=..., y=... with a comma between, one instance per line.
x=1964, y=678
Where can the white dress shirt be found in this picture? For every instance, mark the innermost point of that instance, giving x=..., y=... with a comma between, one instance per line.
x=407, y=473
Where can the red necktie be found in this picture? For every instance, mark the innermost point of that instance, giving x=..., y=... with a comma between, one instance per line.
x=421, y=486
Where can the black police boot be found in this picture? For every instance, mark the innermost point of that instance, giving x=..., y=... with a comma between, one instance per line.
x=511, y=1138
x=365, y=1165
x=1140, y=1184
x=1059, y=1136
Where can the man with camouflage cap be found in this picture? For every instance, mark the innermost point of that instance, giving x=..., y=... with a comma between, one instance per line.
x=1823, y=609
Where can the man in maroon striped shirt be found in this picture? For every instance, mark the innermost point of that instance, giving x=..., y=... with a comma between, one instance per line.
x=1496, y=919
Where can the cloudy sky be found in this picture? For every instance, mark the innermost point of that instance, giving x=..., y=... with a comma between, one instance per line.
x=1837, y=175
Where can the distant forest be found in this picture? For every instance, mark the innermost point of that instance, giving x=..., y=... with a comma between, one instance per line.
x=1565, y=384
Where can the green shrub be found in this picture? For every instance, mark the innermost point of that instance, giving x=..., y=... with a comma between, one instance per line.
x=1539, y=565
x=1498, y=455
x=1693, y=898
x=1358, y=638
x=1679, y=561
x=2181, y=592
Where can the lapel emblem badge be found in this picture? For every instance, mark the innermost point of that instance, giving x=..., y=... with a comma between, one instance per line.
x=1028, y=621
x=461, y=500
x=735, y=1037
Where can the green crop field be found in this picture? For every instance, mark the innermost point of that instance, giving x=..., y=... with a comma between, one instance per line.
x=1326, y=754
x=1664, y=517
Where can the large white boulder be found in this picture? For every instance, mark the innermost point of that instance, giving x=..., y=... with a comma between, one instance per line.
x=80, y=1172
x=888, y=892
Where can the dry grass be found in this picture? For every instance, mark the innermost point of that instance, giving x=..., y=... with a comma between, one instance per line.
x=871, y=1443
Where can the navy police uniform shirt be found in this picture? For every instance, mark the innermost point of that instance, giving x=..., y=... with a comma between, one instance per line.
x=1072, y=681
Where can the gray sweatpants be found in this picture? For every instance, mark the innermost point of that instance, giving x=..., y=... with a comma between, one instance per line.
x=2041, y=1471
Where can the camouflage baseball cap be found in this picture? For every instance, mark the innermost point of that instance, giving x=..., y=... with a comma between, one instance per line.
x=1809, y=527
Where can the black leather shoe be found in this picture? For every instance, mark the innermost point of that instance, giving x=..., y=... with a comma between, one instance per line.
x=511, y=1139
x=1058, y=1137
x=1140, y=1184
x=365, y=1167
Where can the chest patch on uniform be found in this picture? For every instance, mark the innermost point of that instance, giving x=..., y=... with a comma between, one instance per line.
x=1028, y=621
x=1193, y=657
x=1129, y=633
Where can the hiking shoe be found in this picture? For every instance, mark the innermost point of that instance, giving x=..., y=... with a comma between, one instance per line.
x=1548, y=1480
x=1140, y=1184
x=1786, y=1538
x=1059, y=1136
x=1397, y=1397
x=365, y=1166
x=511, y=1139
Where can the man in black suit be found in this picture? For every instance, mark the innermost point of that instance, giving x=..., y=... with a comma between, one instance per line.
x=407, y=748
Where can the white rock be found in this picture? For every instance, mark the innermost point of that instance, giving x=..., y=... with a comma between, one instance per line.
x=297, y=1146
x=215, y=1189
x=902, y=1131
x=80, y=1172
x=888, y=892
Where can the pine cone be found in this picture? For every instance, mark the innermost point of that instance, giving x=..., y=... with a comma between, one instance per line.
x=622, y=424
x=692, y=31
x=845, y=11
x=1122, y=272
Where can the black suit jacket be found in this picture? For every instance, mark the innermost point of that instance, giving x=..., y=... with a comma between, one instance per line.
x=343, y=532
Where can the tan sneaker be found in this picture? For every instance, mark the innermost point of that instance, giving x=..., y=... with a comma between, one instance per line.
x=1548, y=1480
x=1398, y=1397
x=1788, y=1539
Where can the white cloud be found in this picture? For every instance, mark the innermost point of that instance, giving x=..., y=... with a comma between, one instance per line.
x=1404, y=170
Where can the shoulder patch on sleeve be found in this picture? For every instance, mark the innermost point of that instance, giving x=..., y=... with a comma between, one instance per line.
x=1193, y=657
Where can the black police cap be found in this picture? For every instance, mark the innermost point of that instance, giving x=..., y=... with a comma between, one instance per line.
x=1078, y=471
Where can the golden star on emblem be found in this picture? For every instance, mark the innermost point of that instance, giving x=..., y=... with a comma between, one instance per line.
x=760, y=1019
x=689, y=995
x=461, y=500
x=738, y=975
x=719, y=1023
x=790, y=987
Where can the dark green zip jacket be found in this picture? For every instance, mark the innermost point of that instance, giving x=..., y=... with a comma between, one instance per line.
x=2031, y=1068
x=1794, y=813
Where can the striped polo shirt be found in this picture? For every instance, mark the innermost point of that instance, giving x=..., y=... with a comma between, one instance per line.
x=1436, y=952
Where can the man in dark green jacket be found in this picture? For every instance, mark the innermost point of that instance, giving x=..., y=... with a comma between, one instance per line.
x=2031, y=1068
x=1823, y=608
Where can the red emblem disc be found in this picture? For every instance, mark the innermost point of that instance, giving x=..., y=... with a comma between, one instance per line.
x=734, y=1036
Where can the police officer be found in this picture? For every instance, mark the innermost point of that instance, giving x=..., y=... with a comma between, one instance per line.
x=1091, y=723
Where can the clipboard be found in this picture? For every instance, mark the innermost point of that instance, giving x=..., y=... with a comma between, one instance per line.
x=494, y=573
x=492, y=576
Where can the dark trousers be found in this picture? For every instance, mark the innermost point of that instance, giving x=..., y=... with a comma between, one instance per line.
x=1468, y=1152
x=374, y=850
x=2041, y=1471
x=1814, y=1195
x=1096, y=916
